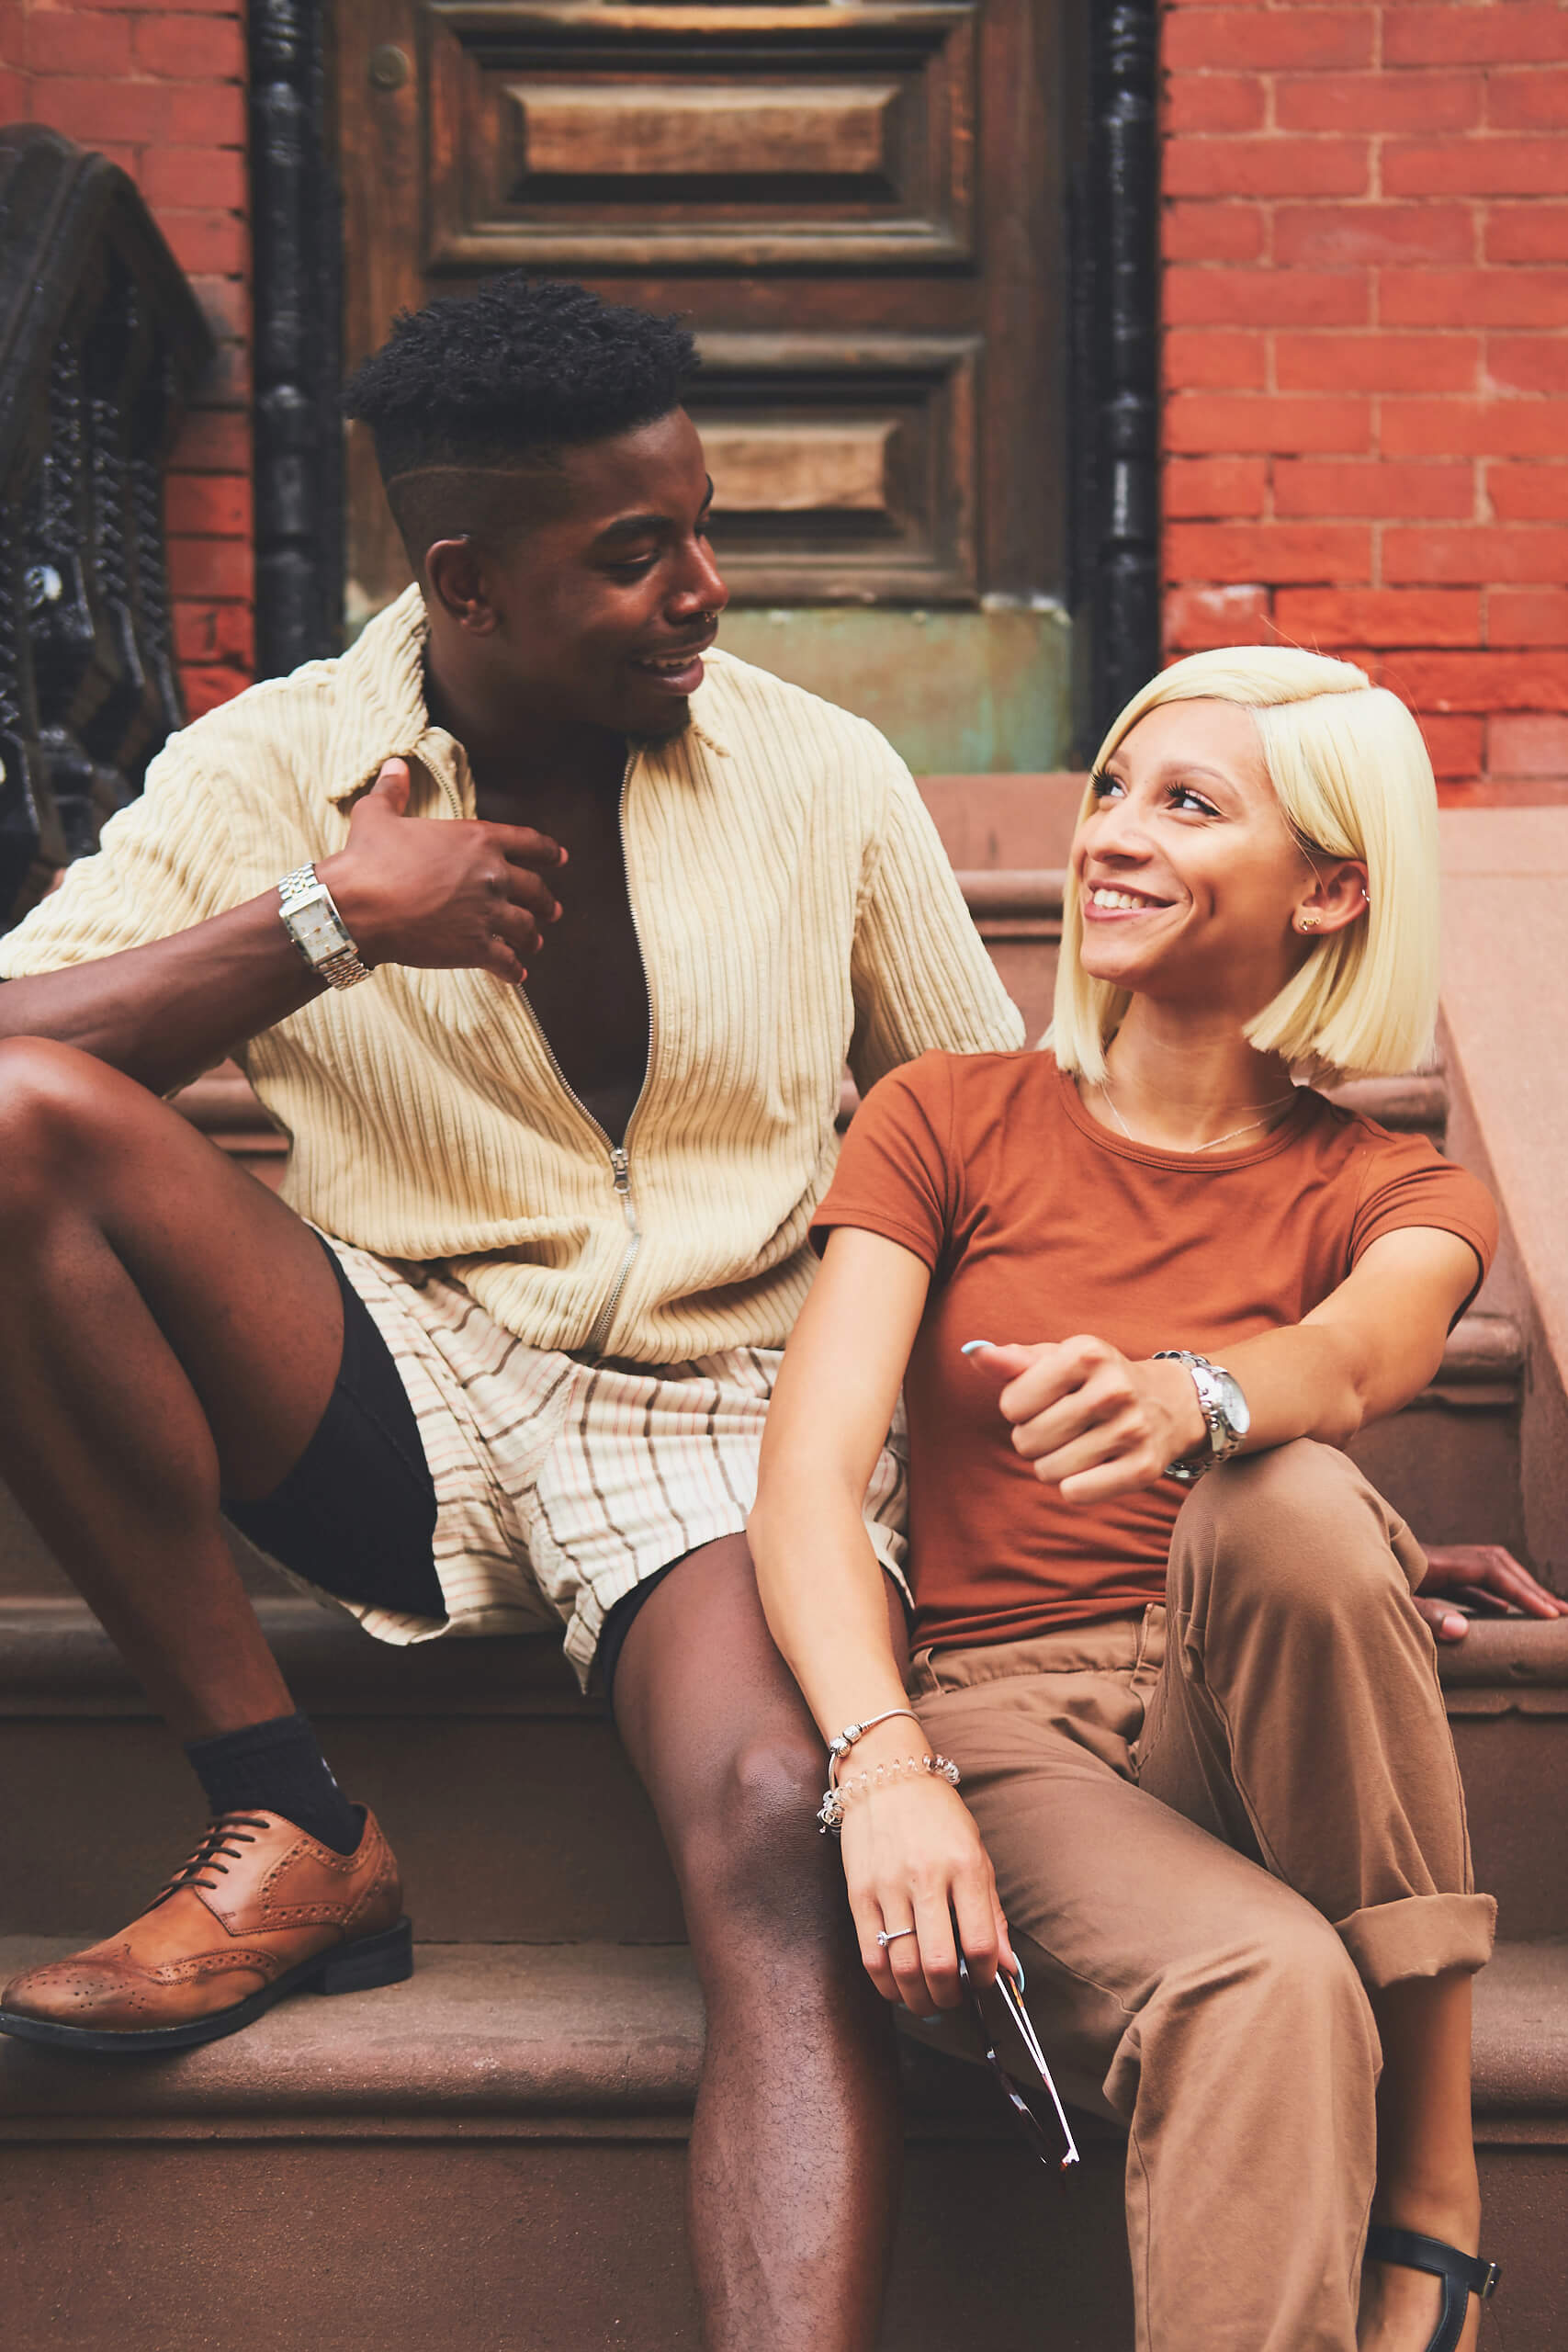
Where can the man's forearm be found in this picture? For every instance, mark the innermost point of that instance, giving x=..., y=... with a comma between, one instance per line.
x=164, y=1012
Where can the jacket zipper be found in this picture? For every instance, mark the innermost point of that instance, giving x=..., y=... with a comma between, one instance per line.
x=621, y=1175
x=619, y=1154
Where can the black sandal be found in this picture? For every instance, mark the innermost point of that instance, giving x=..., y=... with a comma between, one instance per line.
x=1462, y=2274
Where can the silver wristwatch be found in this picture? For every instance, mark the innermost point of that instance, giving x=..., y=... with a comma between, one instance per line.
x=320, y=933
x=1224, y=1409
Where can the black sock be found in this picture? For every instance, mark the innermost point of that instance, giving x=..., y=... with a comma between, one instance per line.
x=277, y=1767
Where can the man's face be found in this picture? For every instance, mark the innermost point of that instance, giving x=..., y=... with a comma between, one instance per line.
x=605, y=608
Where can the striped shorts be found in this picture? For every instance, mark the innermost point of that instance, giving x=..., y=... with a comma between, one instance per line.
x=563, y=1483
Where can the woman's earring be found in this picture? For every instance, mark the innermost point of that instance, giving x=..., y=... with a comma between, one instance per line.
x=1307, y=923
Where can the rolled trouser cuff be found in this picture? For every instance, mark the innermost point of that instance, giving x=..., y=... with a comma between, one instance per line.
x=1421, y=1935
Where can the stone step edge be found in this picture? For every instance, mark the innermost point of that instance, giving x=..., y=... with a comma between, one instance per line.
x=510, y=2036
x=55, y=1659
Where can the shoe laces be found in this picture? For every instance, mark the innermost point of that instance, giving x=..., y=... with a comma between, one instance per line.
x=220, y=1845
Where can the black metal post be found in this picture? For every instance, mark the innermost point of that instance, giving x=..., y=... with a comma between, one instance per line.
x=1120, y=320
x=295, y=219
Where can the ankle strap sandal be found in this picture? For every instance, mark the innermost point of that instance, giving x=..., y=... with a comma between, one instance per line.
x=1462, y=2274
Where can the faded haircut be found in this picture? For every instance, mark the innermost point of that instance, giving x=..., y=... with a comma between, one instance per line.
x=470, y=399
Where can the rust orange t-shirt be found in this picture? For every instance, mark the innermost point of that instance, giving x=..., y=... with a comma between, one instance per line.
x=1038, y=1223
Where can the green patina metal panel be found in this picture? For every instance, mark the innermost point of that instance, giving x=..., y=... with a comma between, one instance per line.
x=955, y=693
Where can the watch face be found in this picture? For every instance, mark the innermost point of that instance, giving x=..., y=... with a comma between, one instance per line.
x=1233, y=1404
x=317, y=929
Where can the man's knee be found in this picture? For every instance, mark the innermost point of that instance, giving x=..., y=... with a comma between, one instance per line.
x=752, y=1857
x=50, y=1102
x=1297, y=1526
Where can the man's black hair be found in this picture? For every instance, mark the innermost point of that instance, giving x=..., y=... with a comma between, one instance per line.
x=503, y=376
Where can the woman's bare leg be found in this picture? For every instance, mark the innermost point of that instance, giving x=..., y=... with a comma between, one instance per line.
x=1426, y=2178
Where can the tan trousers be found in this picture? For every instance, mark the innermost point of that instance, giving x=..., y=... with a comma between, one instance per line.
x=1209, y=1846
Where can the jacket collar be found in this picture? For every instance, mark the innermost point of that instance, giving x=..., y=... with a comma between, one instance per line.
x=381, y=714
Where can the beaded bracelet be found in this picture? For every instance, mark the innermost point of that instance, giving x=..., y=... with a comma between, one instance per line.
x=836, y=1801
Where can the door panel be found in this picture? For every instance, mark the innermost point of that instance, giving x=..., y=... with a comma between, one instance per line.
x=579, y=139
x=858, y=207
x=844, y=466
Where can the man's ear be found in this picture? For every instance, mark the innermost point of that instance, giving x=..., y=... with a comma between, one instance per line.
x=456, y=575
x=1336, y=900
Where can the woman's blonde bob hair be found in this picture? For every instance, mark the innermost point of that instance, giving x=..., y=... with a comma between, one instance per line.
x=1353, y=779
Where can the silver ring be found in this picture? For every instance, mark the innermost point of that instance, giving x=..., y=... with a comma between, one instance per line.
x=885, y=1936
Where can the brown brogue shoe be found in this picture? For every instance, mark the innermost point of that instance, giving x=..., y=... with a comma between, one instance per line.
x=259, y=1911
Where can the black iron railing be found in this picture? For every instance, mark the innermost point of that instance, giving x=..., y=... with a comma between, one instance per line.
x=1116, y=280
x=101, y=343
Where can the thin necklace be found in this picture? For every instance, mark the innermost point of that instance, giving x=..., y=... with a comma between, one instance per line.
x=1214, y=1142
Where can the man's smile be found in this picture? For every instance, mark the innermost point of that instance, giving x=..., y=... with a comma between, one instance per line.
x=682, y=671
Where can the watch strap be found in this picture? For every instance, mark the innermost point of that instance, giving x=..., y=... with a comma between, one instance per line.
x=1222, y=1438
x=344, y=969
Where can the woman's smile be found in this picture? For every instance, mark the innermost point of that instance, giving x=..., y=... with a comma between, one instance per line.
x=1113, y=902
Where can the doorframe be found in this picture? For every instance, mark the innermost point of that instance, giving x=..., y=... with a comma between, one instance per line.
x=1113, y=309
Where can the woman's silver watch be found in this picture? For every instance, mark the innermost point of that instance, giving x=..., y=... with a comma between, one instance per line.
x=310, y=917
x=1224, y=1409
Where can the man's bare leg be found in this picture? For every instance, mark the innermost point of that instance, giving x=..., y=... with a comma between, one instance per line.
x=172, y=1331
x=796, y=2143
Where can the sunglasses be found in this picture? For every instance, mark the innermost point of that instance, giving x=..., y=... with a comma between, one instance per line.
x=1029, y=2124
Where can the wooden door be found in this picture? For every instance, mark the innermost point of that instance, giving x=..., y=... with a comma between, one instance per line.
x=858, y=206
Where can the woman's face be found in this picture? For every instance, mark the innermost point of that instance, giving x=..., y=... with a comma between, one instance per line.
x=1190, y=879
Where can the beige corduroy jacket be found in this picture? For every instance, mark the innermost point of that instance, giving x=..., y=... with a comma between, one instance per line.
x=795, y=908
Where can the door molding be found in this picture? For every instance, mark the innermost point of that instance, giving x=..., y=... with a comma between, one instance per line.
x=1113, y=414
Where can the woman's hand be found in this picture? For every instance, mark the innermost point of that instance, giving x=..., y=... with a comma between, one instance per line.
x=913, y=1857
x=1463, y=1570
x=1090, y=1419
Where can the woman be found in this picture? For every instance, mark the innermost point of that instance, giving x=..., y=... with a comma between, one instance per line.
x=1207, y=1776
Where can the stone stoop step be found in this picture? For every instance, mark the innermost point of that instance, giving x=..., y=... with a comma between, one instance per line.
x=489, y=2159
x=473, y=1751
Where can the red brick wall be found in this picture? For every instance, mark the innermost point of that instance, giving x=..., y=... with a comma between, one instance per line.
x=161, y=90
x=1366, y=228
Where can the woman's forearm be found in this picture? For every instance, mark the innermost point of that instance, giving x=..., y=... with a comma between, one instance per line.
x=822, y=1592
x=820, y=1581
x=1370, y=1348
x=1302, y=1382
x=1098, y=1423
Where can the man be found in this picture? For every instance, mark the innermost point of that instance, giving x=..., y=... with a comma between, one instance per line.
x=525, y=1381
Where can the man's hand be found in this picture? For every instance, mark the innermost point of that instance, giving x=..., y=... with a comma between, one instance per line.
x=1485, y=1576
x=1091, y=1420
x=440, y=895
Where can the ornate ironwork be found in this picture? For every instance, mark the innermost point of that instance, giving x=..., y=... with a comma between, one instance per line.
x=101, y=341
x=1116, y=317
x=298, y=260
